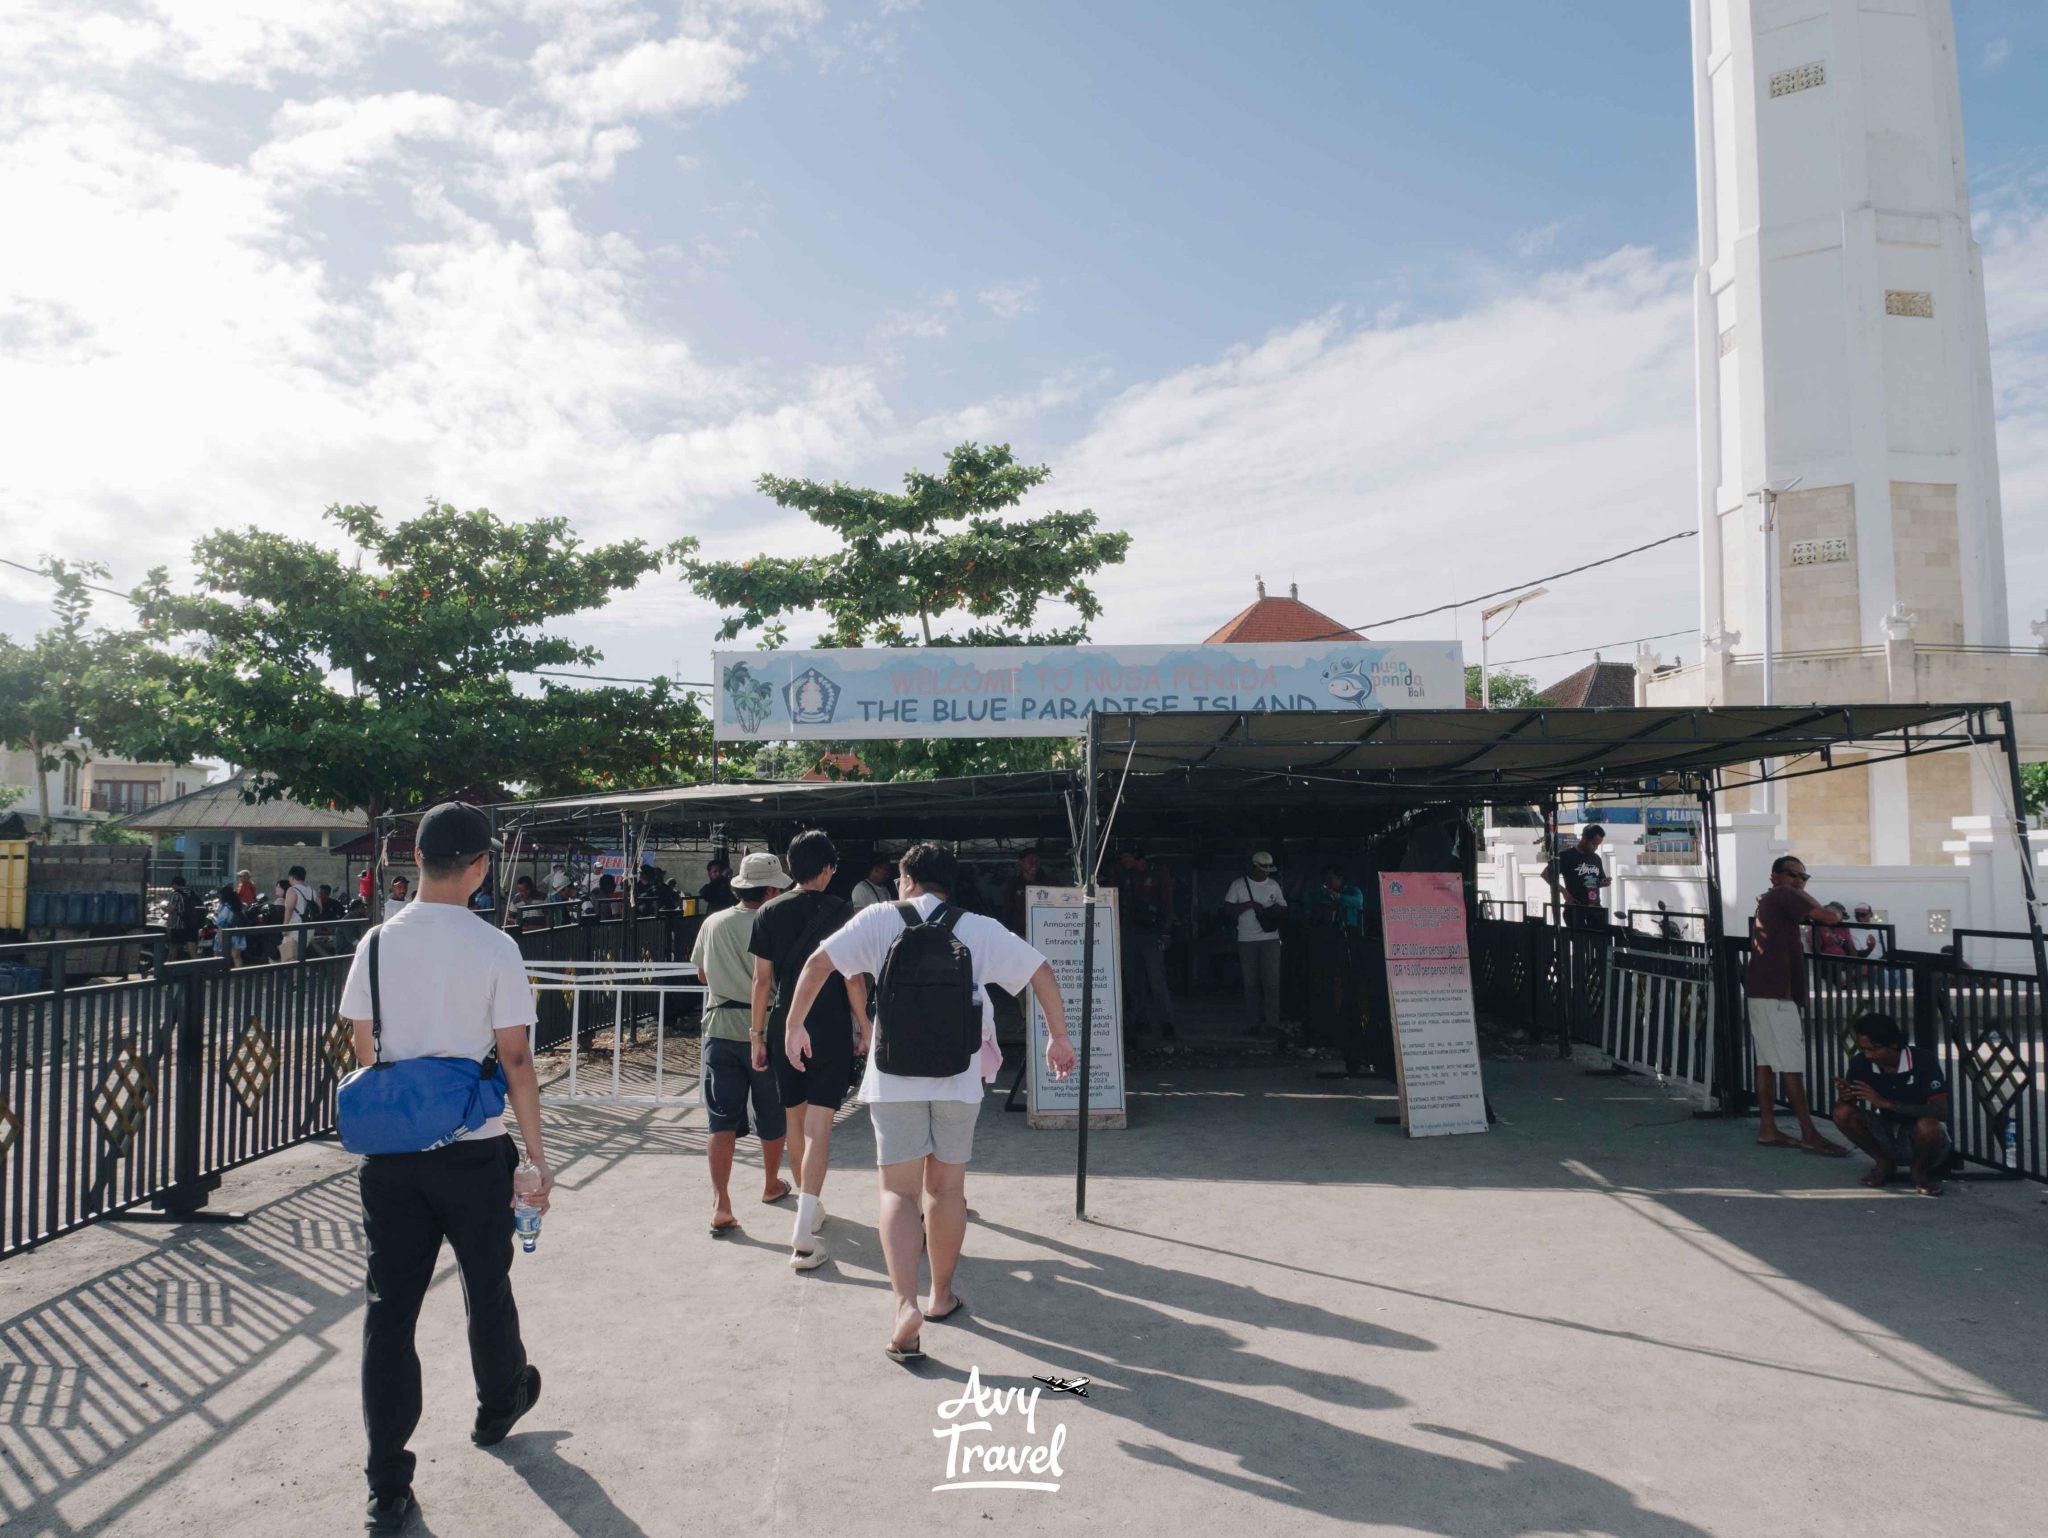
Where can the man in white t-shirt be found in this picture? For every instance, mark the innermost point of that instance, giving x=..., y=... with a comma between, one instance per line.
x=448, y=984
x=1258, y=902
x=874, y=887
x=924, y=1127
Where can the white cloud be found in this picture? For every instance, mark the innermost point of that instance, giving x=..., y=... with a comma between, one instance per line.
x=928, y=319
x=1387, y=468
x=1536, y=240
x=1996, y=52
x=1006, y=301
x=677, y=74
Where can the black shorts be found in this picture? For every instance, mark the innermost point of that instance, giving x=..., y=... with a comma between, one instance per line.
x=730, y=1082
x=829, y=1071
x=1894, y=1134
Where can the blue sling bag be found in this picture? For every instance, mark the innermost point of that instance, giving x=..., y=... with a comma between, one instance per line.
x=417, y=1103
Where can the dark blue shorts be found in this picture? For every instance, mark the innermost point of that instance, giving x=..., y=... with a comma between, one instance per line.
x=731, y=1081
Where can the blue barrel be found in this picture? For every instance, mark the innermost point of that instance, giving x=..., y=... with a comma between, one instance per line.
x=78, y=907
x=39, y=905
x=127, y=909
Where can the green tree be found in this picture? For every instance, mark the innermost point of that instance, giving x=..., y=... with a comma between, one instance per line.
x=1509, y=689
x=931, y=565
x=406, y=676
x=48, y=688
x=910, y=560
x=2034, y=786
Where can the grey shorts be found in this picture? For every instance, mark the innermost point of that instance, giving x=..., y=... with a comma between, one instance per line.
x=912, y=1129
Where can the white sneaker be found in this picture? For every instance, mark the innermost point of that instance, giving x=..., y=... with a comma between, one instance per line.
x=808, y=1260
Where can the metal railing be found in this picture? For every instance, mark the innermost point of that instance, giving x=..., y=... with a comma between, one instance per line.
x=1984, y=1026
x=114, y=1094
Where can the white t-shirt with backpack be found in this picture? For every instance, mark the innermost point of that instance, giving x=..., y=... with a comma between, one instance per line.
x=308, y=903
x=861, y=945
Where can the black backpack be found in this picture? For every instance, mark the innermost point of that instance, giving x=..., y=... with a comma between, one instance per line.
x=927, y=1021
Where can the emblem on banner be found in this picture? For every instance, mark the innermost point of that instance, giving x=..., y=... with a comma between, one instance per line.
x=1348, y=681
x=812, y=698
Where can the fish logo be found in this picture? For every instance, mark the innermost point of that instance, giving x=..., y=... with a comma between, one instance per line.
x=812, y=698
x=1347, y=680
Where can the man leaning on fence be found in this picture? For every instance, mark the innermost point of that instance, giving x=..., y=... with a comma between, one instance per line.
x=449, y=984
x=1776, y=987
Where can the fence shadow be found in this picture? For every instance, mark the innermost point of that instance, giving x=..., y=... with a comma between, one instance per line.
x=191, y=1339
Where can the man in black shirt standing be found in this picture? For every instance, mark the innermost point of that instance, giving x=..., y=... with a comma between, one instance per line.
x=1894, y=1105
x=1576, y=878
x=716, y=894
x=786, y=932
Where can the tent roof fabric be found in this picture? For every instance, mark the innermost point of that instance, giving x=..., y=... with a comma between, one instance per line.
x=1315, y=771
x=1454, y=754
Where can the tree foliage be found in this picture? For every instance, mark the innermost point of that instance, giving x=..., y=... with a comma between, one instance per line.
x=406, y=676
x=909, y=561
x=2034, y=786
x=51, y=688
x=931, y=565
x=1509, y=689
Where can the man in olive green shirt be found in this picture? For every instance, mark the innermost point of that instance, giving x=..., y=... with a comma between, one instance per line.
x=735, y=1061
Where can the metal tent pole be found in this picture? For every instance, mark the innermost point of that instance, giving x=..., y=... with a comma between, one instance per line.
x=2019, y=827
x=1088, y=837
x=1725, y=1038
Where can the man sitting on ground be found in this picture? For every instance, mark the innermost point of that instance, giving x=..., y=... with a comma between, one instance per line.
x=1894, y=1105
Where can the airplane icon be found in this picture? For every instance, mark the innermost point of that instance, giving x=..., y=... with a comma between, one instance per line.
x=1065, y=1385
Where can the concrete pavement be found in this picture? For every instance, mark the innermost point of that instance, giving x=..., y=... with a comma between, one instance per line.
x=1601, y=1317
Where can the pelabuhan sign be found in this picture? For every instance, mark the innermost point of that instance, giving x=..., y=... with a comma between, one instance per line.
x=1050, y=691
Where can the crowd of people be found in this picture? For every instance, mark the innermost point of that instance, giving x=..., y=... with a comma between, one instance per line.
x=801, y=986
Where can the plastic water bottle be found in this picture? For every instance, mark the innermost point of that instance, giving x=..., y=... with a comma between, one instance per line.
x=2012, y=1142
x=525, y=1204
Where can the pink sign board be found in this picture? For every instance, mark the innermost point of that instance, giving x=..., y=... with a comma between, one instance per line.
x=1429, y=986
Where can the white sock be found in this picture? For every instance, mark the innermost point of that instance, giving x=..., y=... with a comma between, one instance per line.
x=806, y=1222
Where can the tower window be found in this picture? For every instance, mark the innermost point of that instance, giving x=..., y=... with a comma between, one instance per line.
x=1804, y=78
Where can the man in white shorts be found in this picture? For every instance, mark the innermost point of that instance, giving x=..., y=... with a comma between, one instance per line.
x=924, y=1126
x=1776, y=988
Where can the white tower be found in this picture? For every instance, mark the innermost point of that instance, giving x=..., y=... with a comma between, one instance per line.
x=1841, y=345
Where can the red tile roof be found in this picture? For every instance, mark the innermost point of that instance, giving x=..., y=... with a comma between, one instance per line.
x=1282, y=619
x=1598, y=684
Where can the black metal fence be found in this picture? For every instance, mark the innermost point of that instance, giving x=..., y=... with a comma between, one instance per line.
x=1984, y=1026
x=145, y=1090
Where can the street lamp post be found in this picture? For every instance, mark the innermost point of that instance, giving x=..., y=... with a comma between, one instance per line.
x=1507, y=607
x=1768, y=496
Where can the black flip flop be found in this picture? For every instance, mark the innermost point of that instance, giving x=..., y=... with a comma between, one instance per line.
x=722, y=1230
x=959, y=1304
x=914, y=1352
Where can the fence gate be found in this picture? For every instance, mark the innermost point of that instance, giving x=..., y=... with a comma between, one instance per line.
x=1658, y=1014
x=614, y=1032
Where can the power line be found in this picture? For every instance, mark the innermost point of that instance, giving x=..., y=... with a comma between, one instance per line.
x=608, y=678
x=37, y=571
x=1574, y=651
x=1504, y=591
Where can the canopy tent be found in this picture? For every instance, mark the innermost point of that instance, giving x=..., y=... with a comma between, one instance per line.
x=1274, y=774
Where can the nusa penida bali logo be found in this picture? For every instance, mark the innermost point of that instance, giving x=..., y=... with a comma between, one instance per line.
x=984, y=1450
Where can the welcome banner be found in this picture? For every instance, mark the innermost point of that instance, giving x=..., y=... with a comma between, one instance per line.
x=1049, y=691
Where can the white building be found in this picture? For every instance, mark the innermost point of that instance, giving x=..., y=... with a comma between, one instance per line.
x=1841, y=347
x=97, y=790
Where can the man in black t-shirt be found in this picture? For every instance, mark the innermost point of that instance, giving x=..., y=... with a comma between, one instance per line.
x=1577, y=876
x=1894, y=1105
x=716, y=894
x=786, y=932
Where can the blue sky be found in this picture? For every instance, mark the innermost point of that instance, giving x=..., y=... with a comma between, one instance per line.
x=1390, y=299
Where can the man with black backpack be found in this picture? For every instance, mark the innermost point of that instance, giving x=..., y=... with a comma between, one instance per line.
x=934, y=1048
x=181, y=922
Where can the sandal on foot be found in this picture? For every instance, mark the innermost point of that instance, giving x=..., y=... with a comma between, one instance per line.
x=959, y=1303
x=914, y=1352
x=729, y=1226
x=782, y=1195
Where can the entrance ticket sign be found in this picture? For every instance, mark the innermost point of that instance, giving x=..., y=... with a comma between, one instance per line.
x=1050, y=691
x=1429, y=985
x=1058, y=927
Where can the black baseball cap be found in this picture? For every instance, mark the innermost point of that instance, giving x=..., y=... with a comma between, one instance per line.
x=454, y=829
